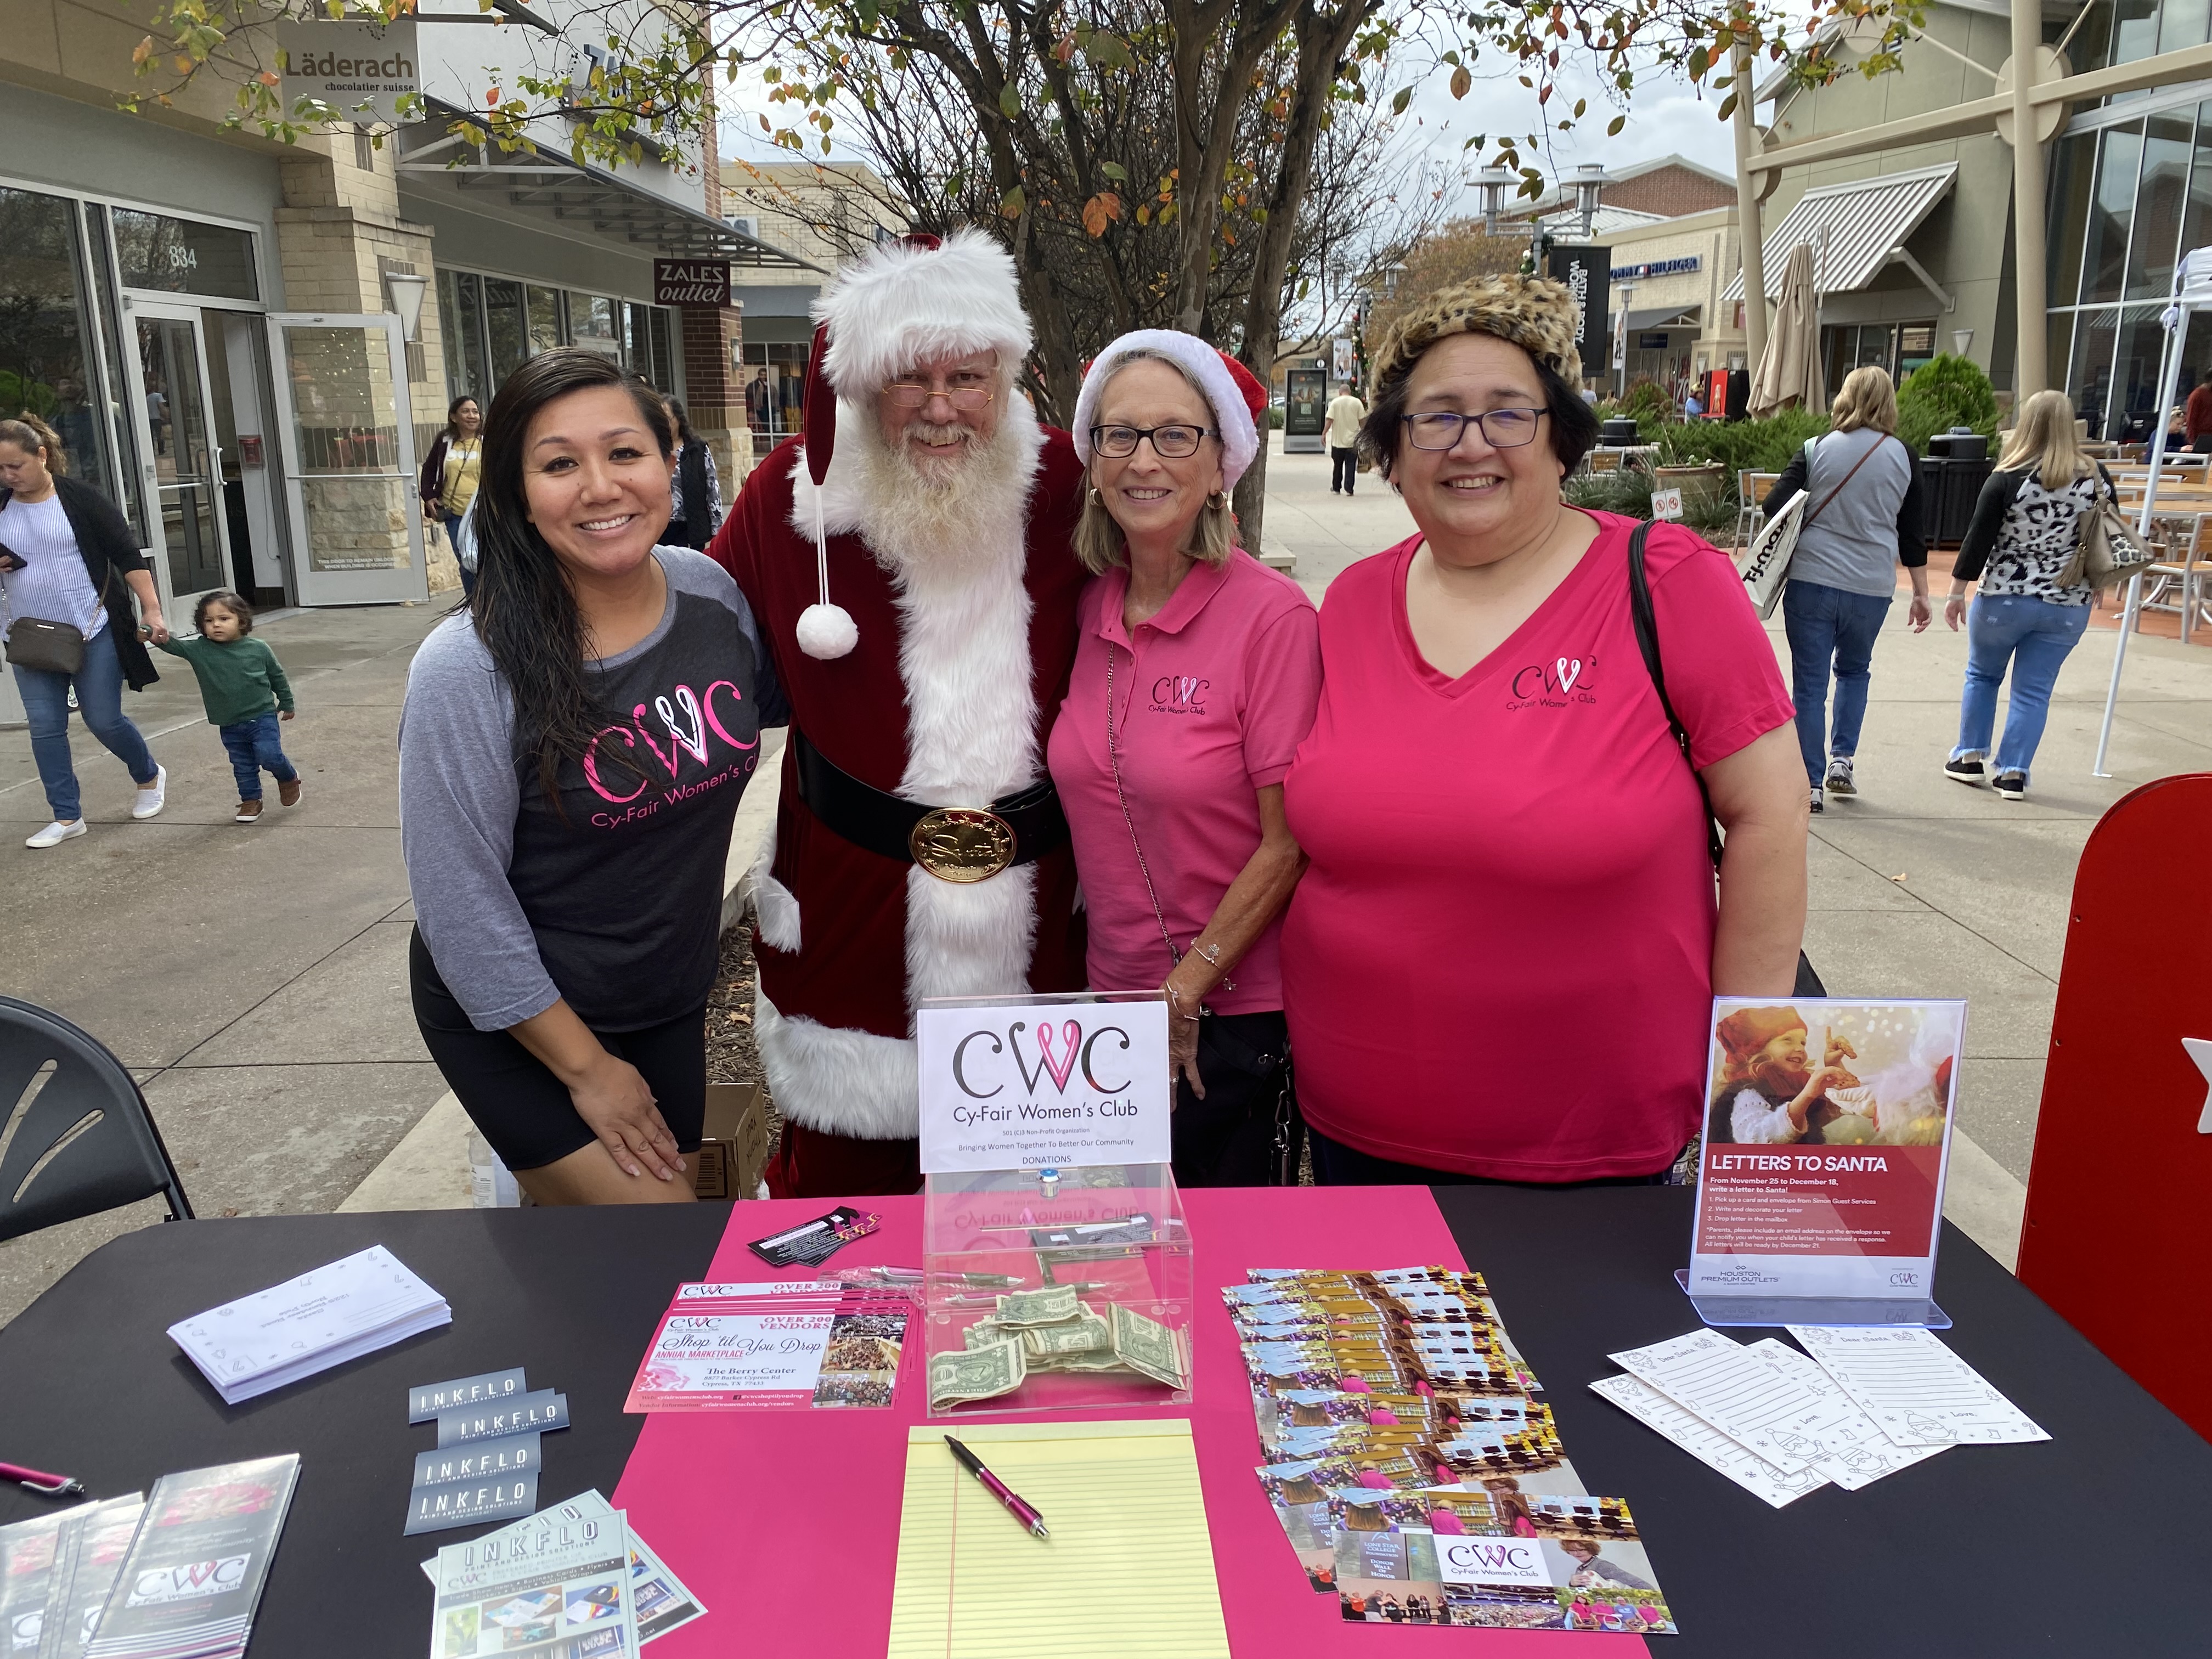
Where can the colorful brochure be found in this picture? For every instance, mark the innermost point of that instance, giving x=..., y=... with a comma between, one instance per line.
x=661, y=1600
x=27, y=1552
x=558, y=1590
x=188, y=1586
x=1827, y=1130
x=755, y=1353
x=95, y=1538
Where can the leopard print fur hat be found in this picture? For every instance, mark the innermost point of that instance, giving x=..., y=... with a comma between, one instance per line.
x=1533, y=312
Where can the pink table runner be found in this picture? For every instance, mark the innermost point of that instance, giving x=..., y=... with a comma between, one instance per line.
x=785, y=1523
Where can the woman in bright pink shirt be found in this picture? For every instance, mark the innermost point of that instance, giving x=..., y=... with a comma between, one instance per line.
x=1196, y=672
x=1501, y=961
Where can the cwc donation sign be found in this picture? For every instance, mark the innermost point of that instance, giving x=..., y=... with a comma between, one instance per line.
x=361, y=69
x=1043, y=1085
x=1827, y=1126
x=691, y=281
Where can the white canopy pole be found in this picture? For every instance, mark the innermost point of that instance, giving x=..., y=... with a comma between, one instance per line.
x=2175, y=321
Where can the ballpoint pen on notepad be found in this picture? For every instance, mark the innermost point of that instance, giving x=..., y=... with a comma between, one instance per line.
x=51, y=1486
x=998, y=1489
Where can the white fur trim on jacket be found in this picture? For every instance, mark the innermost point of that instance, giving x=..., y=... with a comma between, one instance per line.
x=902, y=304
x=775, y=907
x=839, y=1081
x=1240, y=439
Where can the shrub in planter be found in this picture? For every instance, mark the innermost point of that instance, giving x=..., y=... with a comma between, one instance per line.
x=1946, y=392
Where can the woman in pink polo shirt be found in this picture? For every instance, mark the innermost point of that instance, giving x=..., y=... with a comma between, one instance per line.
x=1500, y=964
x=1196, y=672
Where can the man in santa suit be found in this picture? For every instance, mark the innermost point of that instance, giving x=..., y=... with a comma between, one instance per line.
x=908, y=559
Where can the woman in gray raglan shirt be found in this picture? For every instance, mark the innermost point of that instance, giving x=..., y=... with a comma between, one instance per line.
x=574, y=745
x=1863, y=518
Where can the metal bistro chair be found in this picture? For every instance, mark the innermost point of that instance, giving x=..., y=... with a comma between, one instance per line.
x=75, y=1135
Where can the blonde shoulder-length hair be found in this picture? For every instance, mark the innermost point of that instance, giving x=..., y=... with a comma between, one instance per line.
x=1867, y=398
x=1098, y=540
x=2043, y=440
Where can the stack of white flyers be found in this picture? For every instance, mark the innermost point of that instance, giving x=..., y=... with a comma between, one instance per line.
x=189, y=1585
x=658, y=1599
x=324, y=1318
x=1780, y=1425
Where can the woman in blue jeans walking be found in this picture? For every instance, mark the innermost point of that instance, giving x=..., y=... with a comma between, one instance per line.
x=2026, y=528
x=1862, y=519
x=69, y=558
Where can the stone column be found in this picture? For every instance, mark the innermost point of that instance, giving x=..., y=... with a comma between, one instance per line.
x=714, y=388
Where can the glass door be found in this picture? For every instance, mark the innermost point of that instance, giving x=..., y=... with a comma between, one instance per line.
x=348, y=441
x=187, y=469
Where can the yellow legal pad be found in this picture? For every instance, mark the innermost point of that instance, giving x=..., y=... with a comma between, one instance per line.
x=1129, y=1570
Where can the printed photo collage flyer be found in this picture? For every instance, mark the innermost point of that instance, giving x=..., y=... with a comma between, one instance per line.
x=555, y=1585
x=1414, y=1465
x=175, y=1574
x=1869, y=1401
x=774, y=1346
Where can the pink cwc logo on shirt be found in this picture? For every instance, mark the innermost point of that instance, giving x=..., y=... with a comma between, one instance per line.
x=687, y=719
x=1179, y=693
x=1556, y=684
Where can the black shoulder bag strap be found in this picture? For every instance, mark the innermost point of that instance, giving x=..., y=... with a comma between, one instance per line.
x=1646, y=620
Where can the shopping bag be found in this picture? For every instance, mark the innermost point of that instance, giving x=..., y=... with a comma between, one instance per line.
x=1765, y=566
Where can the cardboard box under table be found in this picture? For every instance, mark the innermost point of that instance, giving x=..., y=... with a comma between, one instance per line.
x=732, y=1152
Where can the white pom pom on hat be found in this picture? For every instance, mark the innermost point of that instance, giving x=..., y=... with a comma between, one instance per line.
x=827, y=632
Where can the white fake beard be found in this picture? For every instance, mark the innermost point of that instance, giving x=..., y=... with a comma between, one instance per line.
x=929, y=524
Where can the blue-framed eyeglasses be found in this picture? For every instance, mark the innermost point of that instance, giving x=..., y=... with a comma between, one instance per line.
x=1501, y=429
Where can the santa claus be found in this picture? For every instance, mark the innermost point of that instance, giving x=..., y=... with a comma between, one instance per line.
x=908, y=559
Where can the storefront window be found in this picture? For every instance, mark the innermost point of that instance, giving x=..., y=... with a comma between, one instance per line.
x=2134, y=29
x=460, y=321
x=509, y=343
x=182, y=255
x=2111, y=215
x=774, y=377
x=2089, y=379
x=47, y=362
x=544, y=318
x=660, y=324
x=592, y=324
x=2141, y=342
x=2181, y=24
x=2160, y=200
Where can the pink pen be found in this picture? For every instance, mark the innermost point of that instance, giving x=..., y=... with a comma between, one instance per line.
x=998, y=1489
x=52, y=1485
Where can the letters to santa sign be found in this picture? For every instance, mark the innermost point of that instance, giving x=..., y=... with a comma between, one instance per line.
x=1044, y=1082
x=1827, y=1134
x=691, y=281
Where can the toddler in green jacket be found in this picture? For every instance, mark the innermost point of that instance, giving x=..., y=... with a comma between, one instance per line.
x=244, y=689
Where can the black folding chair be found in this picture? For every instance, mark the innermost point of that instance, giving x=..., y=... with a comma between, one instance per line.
x=75, y=1135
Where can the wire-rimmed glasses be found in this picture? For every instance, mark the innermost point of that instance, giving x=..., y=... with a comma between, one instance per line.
x=966, y=392
x=1172, y=443
x=1501, y=429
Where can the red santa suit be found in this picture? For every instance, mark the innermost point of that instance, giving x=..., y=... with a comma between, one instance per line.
x=942, y=702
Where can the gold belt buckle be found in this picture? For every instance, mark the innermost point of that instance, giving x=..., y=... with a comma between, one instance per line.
x=962, y=844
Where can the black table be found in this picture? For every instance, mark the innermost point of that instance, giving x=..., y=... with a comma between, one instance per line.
x=2093, y=1543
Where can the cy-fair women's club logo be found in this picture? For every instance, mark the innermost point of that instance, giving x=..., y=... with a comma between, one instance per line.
x=1556, y=684
x=980, y=1057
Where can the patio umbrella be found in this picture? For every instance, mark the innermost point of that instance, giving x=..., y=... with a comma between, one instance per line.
x=1789, y=373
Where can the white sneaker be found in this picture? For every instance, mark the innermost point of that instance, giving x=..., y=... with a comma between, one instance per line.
x=154, y=796
x=56, y=833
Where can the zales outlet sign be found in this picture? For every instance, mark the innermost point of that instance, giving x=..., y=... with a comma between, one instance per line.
x=1047, y=1084
x=691, y=281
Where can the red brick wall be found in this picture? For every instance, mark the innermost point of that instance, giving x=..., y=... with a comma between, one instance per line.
x=1670, y=192
x=711, y=389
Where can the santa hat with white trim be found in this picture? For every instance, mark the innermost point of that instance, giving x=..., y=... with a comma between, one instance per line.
x=1231, y=389
x=906, y=302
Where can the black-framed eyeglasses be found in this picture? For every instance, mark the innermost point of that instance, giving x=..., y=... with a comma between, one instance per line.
x=1501, y=429
x=1172, y=443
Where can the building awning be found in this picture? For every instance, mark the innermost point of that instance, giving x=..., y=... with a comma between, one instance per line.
x=1666, y=317
x=1855, y=229
x=581, y=196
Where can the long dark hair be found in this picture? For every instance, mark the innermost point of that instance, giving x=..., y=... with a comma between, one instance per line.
x=684, y=436
x=524, y=610
x=453, y=414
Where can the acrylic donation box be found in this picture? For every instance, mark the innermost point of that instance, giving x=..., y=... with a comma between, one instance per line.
x=1057, y=1261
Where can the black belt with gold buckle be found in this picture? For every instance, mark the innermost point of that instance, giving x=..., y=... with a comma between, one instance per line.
x=953, y=843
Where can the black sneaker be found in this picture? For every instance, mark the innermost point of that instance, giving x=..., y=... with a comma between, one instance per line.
x=2012, y=785
x=1969, y=770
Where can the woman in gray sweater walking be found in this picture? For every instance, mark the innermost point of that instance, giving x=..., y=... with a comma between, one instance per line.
x=1863, y=519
